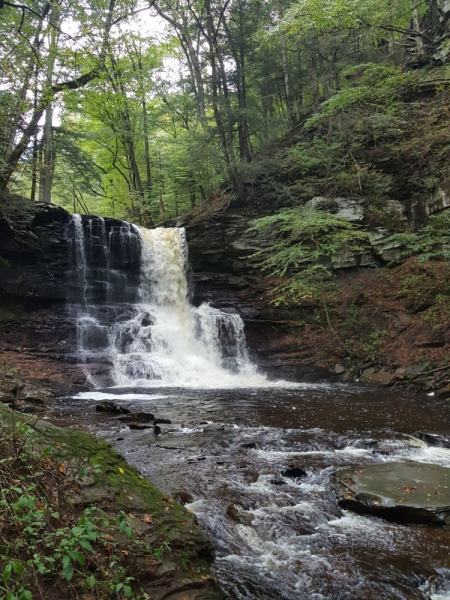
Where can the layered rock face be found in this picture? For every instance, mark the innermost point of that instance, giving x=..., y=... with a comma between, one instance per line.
x=226, y=261
x=39, y=278
x=38, y=274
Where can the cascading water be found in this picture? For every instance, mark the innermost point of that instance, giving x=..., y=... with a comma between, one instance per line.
x=150, y=333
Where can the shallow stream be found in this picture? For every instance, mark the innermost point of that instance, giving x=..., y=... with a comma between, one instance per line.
x=280, y=538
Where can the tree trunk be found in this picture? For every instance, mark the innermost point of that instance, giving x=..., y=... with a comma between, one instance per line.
x=46, y=180
x=314, y=79
x=286, y=74
x=416, y=22
x=37, y=43
x=162, y=208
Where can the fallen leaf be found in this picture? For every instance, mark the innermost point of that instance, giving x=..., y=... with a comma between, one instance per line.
x=147, y=519
x=121, y=470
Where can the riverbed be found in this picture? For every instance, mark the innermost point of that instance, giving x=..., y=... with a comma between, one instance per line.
x=227, y=453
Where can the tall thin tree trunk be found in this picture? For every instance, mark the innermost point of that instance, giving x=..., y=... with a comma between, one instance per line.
x=286, y=74
x=314, y=79
x=416, y=22
x=45, y=187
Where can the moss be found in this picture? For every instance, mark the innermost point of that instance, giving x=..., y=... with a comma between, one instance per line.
x=174, y=529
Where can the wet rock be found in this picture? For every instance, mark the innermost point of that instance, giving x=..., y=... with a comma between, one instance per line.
x=339, y=369
x=112, y=408
x=140, y=417
x=162, y=421
x=183, y=497
x=157, y=430
x=237, y=514
x=433, y=439
x=139, y=426
x=249, y=445
x=277, y=482
x=407, y=492
x=444, y=392
x=294, y=473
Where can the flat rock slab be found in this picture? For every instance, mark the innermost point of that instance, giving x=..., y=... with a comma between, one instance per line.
x=407, y=492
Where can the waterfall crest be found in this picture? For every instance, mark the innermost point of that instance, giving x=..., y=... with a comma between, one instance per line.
x=152, y=336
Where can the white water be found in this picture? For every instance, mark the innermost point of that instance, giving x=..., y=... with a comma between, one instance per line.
x=161, y=339
x=169, y=341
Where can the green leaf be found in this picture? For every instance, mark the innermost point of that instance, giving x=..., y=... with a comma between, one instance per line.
x=18, y=567
x=7, y=573
x=68, y=572
x=66, y=561
x=86, y=545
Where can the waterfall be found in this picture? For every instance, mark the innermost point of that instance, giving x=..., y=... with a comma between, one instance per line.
x=145, y=328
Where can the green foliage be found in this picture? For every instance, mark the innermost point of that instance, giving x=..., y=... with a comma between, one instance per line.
x=43, y=537
x=308, y=242
x=367, y=84
x=168, y=122
x=328, y=15
x=432, y=242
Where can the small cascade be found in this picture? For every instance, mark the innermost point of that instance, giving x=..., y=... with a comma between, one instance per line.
x=145, y=327
x=77, y=259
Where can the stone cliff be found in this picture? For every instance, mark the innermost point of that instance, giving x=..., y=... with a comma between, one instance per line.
x=386, y=316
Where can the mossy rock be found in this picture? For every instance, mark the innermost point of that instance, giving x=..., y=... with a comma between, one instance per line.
x=104, y=479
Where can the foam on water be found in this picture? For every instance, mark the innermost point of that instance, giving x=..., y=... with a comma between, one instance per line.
x=106, y=396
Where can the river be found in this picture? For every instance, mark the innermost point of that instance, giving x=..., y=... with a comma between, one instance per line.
x=280, y=538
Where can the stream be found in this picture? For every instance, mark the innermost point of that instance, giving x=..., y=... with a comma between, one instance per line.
x=254, y=459
x=279, y=538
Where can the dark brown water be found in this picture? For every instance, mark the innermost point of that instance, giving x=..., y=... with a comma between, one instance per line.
x=279, y=538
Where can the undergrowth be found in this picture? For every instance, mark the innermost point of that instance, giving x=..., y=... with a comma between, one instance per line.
x=50, y=548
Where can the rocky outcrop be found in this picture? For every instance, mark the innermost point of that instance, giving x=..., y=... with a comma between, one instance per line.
x=226, y=262
x=39, y=278
x=35, y=249
x=408, y=492
x=38, y=336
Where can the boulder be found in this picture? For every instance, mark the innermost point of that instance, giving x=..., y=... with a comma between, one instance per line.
x=407, y=492
x=433, y=439
x=183, y=497
x=110, y=407
x=159, y=421
x=140, y=417
x=37, y=395
x=294, y=472
x=379, y=378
